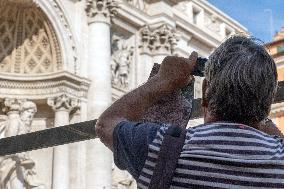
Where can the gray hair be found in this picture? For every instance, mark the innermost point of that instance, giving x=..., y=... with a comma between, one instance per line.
x=241, y=81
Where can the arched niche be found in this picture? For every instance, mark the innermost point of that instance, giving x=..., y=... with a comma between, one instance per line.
x=37, y=52
x=28, y=43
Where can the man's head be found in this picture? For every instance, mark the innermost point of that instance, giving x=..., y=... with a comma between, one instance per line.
x=240, y=82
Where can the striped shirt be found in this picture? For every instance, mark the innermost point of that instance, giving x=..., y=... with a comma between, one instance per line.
x=222, y=155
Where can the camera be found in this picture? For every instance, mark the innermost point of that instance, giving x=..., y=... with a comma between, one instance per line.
x=188, y=91
x=199, y=67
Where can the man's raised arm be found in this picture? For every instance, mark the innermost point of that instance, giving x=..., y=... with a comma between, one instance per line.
x=174, y=73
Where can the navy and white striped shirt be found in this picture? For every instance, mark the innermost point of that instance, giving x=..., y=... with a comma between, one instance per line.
x=216, y=155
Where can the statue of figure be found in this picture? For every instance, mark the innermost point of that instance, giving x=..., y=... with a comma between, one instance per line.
x=121, y=60
x=17, y=171
x=124, y=65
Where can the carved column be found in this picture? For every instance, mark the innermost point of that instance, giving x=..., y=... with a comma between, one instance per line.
x=83, y=148
x=12, y=109
x=164, y=42
x=62, y=106
x=99, y=97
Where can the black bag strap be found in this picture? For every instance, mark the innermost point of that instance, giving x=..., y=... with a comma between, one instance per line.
x=168, y=158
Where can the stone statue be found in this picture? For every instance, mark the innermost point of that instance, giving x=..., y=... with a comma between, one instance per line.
x=121, y=60
x=17, y=171
x=122, y=179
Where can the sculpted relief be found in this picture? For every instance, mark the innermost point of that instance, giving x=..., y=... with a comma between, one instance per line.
x=17, y=171
x=122, y=59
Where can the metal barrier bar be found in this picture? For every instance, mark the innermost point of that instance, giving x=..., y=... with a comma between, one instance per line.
x=78, y=132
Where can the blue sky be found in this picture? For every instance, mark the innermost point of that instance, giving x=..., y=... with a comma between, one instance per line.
x=252, y=15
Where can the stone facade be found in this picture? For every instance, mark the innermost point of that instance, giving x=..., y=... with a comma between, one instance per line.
x=276, y=50
x=72, y=58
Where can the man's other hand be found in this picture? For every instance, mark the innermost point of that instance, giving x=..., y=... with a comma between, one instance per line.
x=176, y=71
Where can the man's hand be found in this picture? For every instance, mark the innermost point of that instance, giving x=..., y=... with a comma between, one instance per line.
x=175, y=71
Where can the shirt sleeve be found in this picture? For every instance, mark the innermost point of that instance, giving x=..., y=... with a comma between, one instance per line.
x=130, y=145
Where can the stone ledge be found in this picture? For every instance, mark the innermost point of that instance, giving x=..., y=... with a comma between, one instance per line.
x=43, y=86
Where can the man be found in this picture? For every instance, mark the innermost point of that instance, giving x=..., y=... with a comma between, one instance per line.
x=228, y=151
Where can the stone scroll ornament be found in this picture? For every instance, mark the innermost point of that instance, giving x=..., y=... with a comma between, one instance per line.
x=175, y=108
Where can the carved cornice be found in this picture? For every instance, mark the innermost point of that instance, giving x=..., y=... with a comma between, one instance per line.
x=101, y=10
x=159, y=40
x=63, y=102
x=44, y=86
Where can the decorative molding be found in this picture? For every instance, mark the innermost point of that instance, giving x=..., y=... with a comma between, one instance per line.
x=66, y=25
x=101, y=10
x=63, y=102
x=45, y=86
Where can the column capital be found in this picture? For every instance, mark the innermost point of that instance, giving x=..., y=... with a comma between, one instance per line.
x=162, y=39
x=12, y=105
x=101, y=10
x=146, y=45
x=63, y=103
